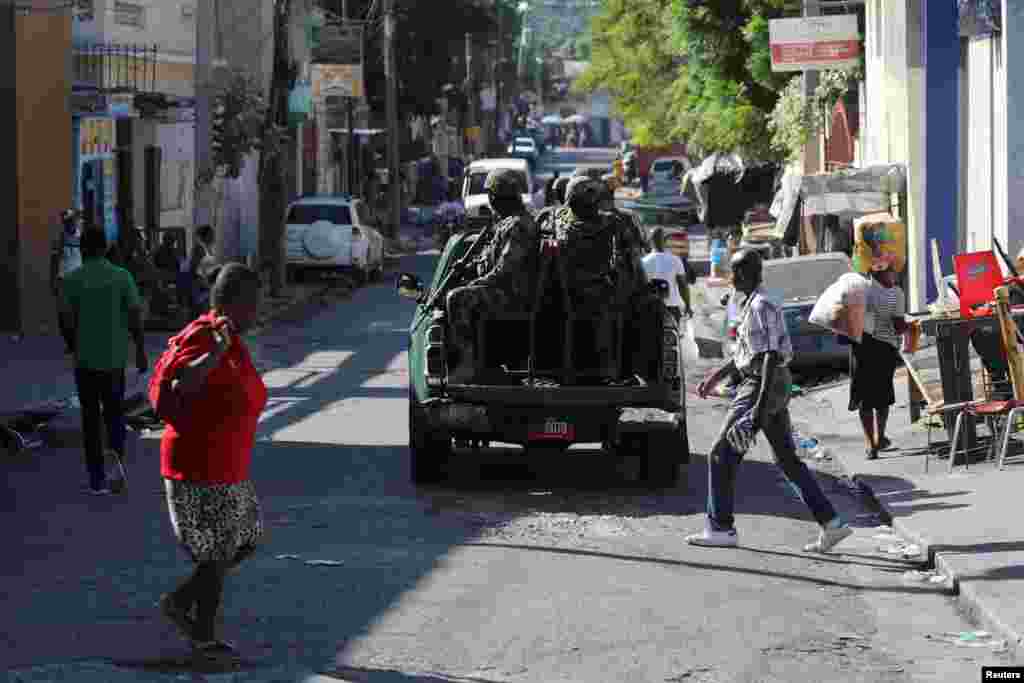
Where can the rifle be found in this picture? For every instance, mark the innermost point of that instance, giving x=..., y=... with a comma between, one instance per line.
x=462, y=264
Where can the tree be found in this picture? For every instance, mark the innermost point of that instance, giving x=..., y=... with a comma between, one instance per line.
x=697, y=71
x=632, y=58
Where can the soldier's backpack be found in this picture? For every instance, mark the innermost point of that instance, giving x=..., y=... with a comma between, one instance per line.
x=589, y=254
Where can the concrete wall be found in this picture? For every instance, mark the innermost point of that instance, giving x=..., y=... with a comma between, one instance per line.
x=245, y=42
x=44, y=156
x=892, y=117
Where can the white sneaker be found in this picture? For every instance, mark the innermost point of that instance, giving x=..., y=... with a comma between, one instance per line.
x=714, y=539
x=827, y=539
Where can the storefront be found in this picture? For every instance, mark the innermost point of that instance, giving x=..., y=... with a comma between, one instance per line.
x=95, y=177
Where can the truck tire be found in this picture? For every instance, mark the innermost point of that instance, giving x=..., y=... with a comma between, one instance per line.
x=655, y=450
x=428, y=450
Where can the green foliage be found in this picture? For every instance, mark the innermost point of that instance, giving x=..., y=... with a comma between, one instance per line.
x=632, y=58
x=796, y=117
x=239, y=111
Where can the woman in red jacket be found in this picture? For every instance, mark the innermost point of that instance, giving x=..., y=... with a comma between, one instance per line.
x=205, y=458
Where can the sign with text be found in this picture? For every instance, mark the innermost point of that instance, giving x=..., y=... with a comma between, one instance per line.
x=337, y=80
x=814, y=43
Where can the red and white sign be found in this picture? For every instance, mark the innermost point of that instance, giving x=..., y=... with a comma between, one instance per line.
x=814, y=43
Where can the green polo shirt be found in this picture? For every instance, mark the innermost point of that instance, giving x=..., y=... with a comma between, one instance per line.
x=101, y=295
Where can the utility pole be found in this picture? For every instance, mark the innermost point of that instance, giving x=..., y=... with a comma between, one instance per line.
x=271, y=167
x=812, y=154
x=470, y=93
x=498, y=73
x=349, y=180
x=391, y=72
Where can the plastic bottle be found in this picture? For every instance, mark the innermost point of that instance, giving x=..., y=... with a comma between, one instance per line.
x=718, y=256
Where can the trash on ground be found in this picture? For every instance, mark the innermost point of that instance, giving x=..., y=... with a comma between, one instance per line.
x=971, y=639
x=325, y=563
x=916, y=576
x=907, y=550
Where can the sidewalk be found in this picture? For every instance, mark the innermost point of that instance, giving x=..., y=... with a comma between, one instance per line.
x=960, y=521
x=38, y=376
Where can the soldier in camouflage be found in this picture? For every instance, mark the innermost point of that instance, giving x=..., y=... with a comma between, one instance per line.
x=504, y=270
x=602, y=246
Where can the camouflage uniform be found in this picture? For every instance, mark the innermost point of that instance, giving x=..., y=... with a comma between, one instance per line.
x=505, y=270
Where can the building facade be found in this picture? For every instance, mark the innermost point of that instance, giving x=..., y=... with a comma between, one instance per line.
x=937, y=73
x=37, y=166
x=133, y=113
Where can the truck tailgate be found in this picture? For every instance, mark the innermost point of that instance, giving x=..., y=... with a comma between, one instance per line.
x=589, y=396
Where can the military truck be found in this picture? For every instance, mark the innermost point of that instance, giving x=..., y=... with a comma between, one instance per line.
x=540, y=379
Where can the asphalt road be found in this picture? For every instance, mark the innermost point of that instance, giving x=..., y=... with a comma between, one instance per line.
x=516, y=569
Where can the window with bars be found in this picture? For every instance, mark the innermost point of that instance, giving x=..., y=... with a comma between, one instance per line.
x=129, y=14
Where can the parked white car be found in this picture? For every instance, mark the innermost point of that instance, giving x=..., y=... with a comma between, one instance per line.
x=333, y=232
x=474, y=197
x=662, y=177
x=524, y=148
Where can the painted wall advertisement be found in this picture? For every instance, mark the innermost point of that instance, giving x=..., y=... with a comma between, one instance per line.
x=96, y=173
x=814, y=43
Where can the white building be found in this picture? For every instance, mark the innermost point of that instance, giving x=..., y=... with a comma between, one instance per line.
x=140, y=55
x=943, y=94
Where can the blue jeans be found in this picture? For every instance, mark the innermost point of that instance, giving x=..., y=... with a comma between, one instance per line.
x=101, y=395
x=724, y=461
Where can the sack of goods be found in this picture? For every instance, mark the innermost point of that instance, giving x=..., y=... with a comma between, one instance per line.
x=879, y=241
x=842, y=307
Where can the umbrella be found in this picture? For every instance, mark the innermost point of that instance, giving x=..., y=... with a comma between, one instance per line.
x=551, y=119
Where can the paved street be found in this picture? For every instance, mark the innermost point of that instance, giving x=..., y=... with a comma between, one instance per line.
x=516, y=569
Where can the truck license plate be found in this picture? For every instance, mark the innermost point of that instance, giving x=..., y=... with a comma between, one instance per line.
x=552, y=430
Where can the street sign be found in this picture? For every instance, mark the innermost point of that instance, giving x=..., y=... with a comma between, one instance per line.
x=337, y=80
x=814, y=43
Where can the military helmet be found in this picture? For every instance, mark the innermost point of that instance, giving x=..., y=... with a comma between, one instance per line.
x=502, y=183
x=559, y=188
x=583, y=193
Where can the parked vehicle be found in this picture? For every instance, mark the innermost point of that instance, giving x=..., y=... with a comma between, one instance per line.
x=524, y=148
x=647, y=155
x=474, y=196
x=666, y=175
x=539, y=381
x=798, y=282
x=333, y=232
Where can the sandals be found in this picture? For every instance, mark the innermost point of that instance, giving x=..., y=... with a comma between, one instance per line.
x=871, y=453
x=216, y=651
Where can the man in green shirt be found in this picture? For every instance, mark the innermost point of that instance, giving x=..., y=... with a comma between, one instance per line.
x=101, y=309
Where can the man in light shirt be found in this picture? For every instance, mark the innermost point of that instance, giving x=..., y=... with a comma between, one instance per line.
x=662, y=265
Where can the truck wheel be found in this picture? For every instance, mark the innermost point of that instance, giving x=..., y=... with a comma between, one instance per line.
x=683, y=441
x=655, y=450
x=428, y=451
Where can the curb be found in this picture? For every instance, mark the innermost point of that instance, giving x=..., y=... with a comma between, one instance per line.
x=977, y=609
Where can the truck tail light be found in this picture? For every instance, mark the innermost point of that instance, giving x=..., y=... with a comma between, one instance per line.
x=435, y=362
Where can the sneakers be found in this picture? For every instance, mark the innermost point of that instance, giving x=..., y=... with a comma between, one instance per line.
x=714, y=539
x=828, y=537
x=102, y=491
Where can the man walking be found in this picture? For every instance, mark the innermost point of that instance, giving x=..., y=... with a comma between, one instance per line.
x=763, y=351
x=662, y=265
x=101, y=309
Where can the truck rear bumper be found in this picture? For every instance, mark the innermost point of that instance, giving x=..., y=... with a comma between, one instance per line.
x=589, y=424
x=566, y=397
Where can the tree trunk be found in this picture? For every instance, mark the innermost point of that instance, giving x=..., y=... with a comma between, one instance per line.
x=271, y=172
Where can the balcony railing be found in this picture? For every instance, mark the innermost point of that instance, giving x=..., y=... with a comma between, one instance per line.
x=115, y=68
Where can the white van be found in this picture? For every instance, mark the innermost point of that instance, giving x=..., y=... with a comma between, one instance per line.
x=474, y=196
